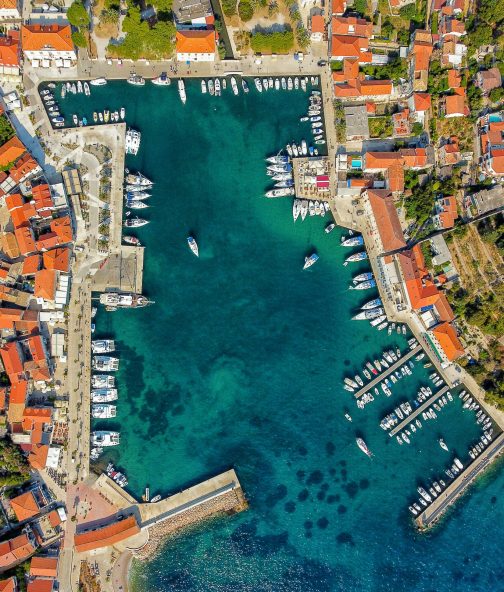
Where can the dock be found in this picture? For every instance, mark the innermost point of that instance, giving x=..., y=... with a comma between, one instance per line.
x=389, y=370
x=432, y=399
x=305, y=170
x=434, y=512
x=122, y=271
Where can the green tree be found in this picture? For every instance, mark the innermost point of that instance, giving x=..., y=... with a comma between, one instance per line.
x=408, y=12
x=496, y=94
x=109, y=16
x=229, y=7
x=6, y=130
x=278, y=42
x=77, y=15
x=79, y=39
x=417, y=129
x=245, y=10
x=14, y=469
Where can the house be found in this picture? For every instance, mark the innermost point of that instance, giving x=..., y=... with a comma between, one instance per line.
x=356, y=89
x=9, y=53
x=45, y=285
x=9, y=585
x=40, y=585
x=488, y=199
x=317, y=28
x=446, y=212
x=487, y=80
x=419, y=55
x=104, y=536
x=390, y=164
x=16, y=550
x=57, y=259
x=455, y=105
x=446, y=343
x=25, y=240
x=197, y=13
x=48, y=45
x=385, y=219
x=419, y=105
x=25, y=506
x=351, y=25
x=9, y=245
x=44, y=567
x=418, y=158
x=9, y=11
x=492, y=147
x=338, y=7
x=451, y=28
x=449, y=153
x=400, y=122
x=12, y=358
x=349, y=46
x=38, y=456
x=18, y=320
x=453, y=54
x=196, y=46
x=31, y=265
x=11, y=151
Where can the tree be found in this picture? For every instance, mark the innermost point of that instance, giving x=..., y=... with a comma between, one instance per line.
x=229, y=7
x=417, y=129
x=79, y=39
x=496, y=94
x=245, y=10
x=109, y=16
x=408, y=12
x=77, y=15
x=278, y=42
x=163, y=5
x=6, y=130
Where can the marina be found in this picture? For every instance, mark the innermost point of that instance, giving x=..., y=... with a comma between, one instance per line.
x=414, y=414
x=378, y=379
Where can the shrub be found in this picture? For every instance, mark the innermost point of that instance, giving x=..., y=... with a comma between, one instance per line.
x=79, y=39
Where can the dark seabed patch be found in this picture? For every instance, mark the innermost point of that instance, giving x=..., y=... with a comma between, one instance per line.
x=345, y=538
x=315, y=478
x=303, y=495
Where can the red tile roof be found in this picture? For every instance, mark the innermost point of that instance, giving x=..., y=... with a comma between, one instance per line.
x=456, y=105
x=58, y=259
x=447, y=211
x=25, y=506
x=106, y=535
x=38, y=456
x=338, y=6
x=14, y=200
x=448, y=340
x=44, y=37
x=25, y=240
x=9, y=245
x=351, y=25
x=15, y=550
x=40, y=585
x=11, y=358
x=202, y=41
x=347, y=46
x=9, y=50
x=31, y=265
x=11, y=151
x=8, y=585
x=422, y=101
x=63, y=228
x=18, y=393
x=386, y=218
x=44, y=566
x=317, y=23
x=45, y=284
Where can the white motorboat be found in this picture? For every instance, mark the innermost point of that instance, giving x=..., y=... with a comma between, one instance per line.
x=309, y=261
x=98, y=82
x=181, y=91
x=103, y=411
x=162, y=80
x=132, y=143
x=105, y=438
x=136, y=80
x=203, y=87
x=193, y=245
x=234, y=85
x=102, y=346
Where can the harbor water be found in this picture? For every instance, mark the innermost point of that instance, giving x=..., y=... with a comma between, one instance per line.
x=240, y=363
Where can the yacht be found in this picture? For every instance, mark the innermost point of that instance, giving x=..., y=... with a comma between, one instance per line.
x=203, y=87
x=234, y=85
x=136, y=80
x=309, y=261
x=217, y=86
x=105, y=363
x=105, y=438
x=193, y=245
x=258, y=84
x=181, y=91
x=362, y=277
x=102, y=381
x=330, y=227
x=372, y=304
x=364, y=285
x=162, y=80
x=123, y=300
x=98, y=82
x=122, y=113
x=245, y=86
x=281, y=192
x=103, y=411
x=362, y=445
x=132, y=240
x=103, y=395
x=135, y=222
x=136, y=204
x=132, y=144
x=102, y=346
x=356, y=257
x=87, y=90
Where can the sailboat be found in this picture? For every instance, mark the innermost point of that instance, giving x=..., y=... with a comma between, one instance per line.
x=193, y=245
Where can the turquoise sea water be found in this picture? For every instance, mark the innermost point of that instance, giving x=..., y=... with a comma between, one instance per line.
x=240, y=364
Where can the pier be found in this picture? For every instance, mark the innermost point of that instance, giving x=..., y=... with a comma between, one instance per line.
x=388, y=371
x=305, y=170
x=432, y=514
x=432, y=399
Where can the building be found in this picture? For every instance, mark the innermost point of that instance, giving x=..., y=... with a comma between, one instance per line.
x=41, y=585
x=9, y=54
x=12, y=359
x=488, y=200
x=9, y=11
x=487, y=80
x=449, y=153
x=196, y=46
x=9, y=585
x=419, y=55
x=317, y=28
x=419, y=105
x=351, y=25
x=401, y=123
x=349, y=46
x=104, y=536
x=197, y=13
x=492, y=147
x=47, y=46
x=446, y=212
x=25, y=506
x=44, y=567
x=455, y=105
x=16, y=550
x=338, y=7
x=385, y=219
x=390, y=164
x=446, y=343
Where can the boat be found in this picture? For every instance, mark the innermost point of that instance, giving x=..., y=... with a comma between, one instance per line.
x=304, y=208
x=304, y=147
x=136, y=204
x=363, y=277
x=102, y=346
x=162, y=80
x=181, y=91
x=80, y=88
x=278, y=159
x=290, y=86
x=224, y=84
x=424, y=494
x=234, y=85
x=458, y=463
x=296, y=83
x=356, y=257
x=203, y=87
x=123, y=300
x=245, y=86
x=58, y=119
x=95, y=453
x=372, y=304
x=330, y=227
x=98, y=82
x=132, y=240
x=105, y=438
x=135, y=222
x=282, y=167
x=137, y=179
x=193, y=245
x=296, y=209
x=100, y=116
x=122, y=113
x=102, y=381
x=105, y=363
x=132, y=143
x=211, y=88
x=103, y=395
x=258, y=84
x=136, y=80
x=364, y=285
x=282, y=192
x=309, y=261
x=103, y=411
x=87, y=90
x=63, y=91
x=75, y=120
x=95, y=117
x=362, y=445
x=277, y=84
x=217, y=86
x=367, y=315
x=139, y=195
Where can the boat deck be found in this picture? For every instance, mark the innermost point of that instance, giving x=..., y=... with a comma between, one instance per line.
x=384, y=375
x=457, y=487
x=432, y=399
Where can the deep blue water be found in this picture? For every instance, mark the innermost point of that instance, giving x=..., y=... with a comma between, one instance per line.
x=240, y=363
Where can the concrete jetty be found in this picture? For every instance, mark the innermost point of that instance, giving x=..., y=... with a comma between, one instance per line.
x=457, y=487
x=388, y=371
x=432, y=399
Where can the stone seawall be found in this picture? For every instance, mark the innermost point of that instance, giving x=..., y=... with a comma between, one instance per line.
x=229, y=503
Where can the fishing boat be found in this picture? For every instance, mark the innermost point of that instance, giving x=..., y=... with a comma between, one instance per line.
x=135, y=222
x=98, y=82
x=162, y=80
x=181, y=91
x=354, y=241
x=330, y=227
x=105, y=438
x=234, y=85
x=136, y=80
x=372, y=304
x=193, y=245
x=132, y=143
x=203, y=87
x=132, y=240
x=309, y=261
x=362, y=445
x=245, y=86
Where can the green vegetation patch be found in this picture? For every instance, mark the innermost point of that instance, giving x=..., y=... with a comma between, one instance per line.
x=395, y=69
x=380, y=127
x=6, y=130
x=14, y=468
x=278, y=42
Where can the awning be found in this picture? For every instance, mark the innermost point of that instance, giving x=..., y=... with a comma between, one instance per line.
x=59, y=63
x=67, y=64
x=35, y=63
x=46, y=64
